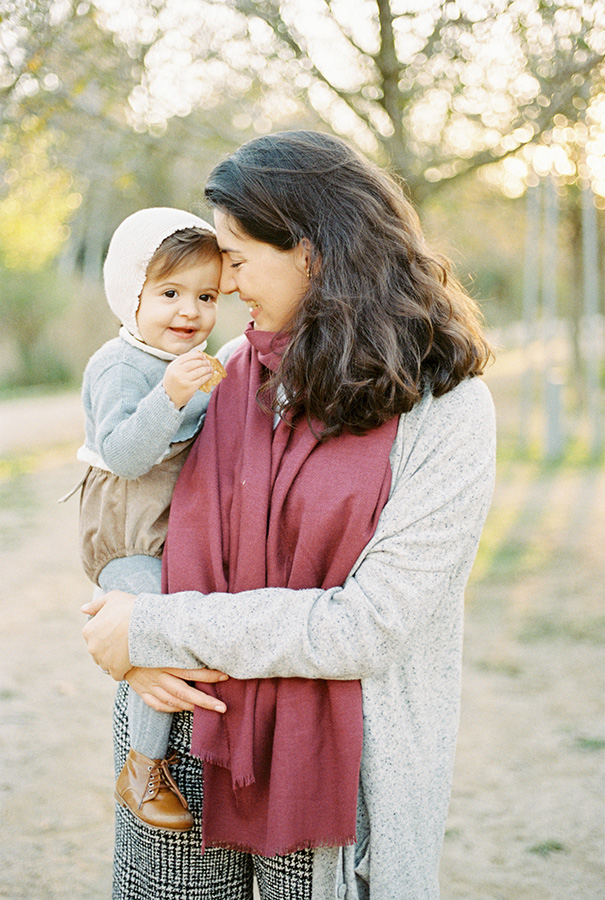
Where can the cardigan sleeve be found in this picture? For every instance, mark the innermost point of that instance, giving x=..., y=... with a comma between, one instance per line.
x=414, y=568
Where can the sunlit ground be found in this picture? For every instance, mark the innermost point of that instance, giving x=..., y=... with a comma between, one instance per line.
x=526, y=818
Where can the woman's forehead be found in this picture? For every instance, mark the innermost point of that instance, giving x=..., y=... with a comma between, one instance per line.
x=229, y=235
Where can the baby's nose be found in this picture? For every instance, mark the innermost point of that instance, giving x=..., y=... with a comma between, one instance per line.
x=188, y=307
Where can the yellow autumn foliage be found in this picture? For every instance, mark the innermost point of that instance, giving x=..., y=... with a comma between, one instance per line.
x=37, y=201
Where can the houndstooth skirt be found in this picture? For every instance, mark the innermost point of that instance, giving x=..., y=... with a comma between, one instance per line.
x=165, y=865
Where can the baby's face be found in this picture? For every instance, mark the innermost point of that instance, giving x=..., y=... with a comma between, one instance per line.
x=178, y=311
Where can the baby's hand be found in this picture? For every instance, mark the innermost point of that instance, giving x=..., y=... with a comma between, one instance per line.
x=185, y=375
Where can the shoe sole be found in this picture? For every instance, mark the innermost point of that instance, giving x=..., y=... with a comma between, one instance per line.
x=121, y=802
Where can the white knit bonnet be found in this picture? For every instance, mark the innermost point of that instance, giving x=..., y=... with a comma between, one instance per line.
x=133, y=244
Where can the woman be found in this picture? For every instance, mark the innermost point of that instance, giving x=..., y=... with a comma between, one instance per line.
x=321, y=536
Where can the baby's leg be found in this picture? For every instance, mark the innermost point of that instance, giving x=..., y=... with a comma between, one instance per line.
x=145, y=785
x=133, y=574
x=149, y=729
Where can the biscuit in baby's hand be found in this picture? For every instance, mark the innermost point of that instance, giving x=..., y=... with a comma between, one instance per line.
x=218, y=373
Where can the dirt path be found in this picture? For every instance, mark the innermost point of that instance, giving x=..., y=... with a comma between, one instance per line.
x=55, y=706
x=38, y=421
x=527, y=816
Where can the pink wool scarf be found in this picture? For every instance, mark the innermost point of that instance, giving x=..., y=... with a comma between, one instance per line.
x=254, y=507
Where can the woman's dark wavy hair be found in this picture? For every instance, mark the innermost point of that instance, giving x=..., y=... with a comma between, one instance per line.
x=383, y=319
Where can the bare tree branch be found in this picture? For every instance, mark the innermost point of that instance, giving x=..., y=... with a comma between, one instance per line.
x=390, y=69
x=347, y=33
x=269, y=13
x=561, y=100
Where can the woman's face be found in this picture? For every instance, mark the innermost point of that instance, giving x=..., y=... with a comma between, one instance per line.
x=271, y=282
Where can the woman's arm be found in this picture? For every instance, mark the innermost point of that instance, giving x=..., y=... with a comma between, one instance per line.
x=414, y=568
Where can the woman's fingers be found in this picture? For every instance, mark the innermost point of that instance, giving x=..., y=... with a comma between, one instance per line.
x=207, y=675
x=159, y=701
x=166, y=692
x=93, y=606
x=184, y=693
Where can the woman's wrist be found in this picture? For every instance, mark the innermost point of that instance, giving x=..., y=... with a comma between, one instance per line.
x=106, y=632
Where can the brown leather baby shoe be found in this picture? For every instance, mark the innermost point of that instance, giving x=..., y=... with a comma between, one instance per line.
x=146, y=787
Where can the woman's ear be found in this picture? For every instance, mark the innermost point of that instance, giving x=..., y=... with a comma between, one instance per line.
x=306, y=254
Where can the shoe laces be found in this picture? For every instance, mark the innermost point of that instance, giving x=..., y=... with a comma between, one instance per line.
x=160, y=776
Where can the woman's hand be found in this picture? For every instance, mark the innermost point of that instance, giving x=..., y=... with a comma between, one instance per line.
x=106, y=633
x=167, y=690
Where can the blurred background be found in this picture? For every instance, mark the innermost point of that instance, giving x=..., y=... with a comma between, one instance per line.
x=492, y=114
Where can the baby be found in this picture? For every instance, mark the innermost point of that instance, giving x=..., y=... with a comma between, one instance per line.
x=141, y=394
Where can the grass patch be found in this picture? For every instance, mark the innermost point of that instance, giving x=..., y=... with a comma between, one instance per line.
x=26, y=392
x=17, y=501
x=589, y=744
x=8, y=694
x=12, y=468
x=577, y=454
x=15, y=494
x=543, y=628
x=499, y=667
x=546, y=848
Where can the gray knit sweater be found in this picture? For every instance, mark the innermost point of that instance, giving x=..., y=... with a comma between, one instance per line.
x=396, y=624
x=130, y=419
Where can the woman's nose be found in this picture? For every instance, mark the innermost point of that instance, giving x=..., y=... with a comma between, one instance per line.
x=228, y=283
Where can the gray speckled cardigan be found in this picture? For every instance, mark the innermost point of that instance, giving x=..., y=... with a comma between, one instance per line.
x=396, y=624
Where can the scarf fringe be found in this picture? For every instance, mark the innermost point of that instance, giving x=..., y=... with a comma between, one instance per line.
x=310, y=844
x=208, y=756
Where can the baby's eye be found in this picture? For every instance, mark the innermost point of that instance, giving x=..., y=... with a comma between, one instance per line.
x=171, y=294
x=207, y=298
